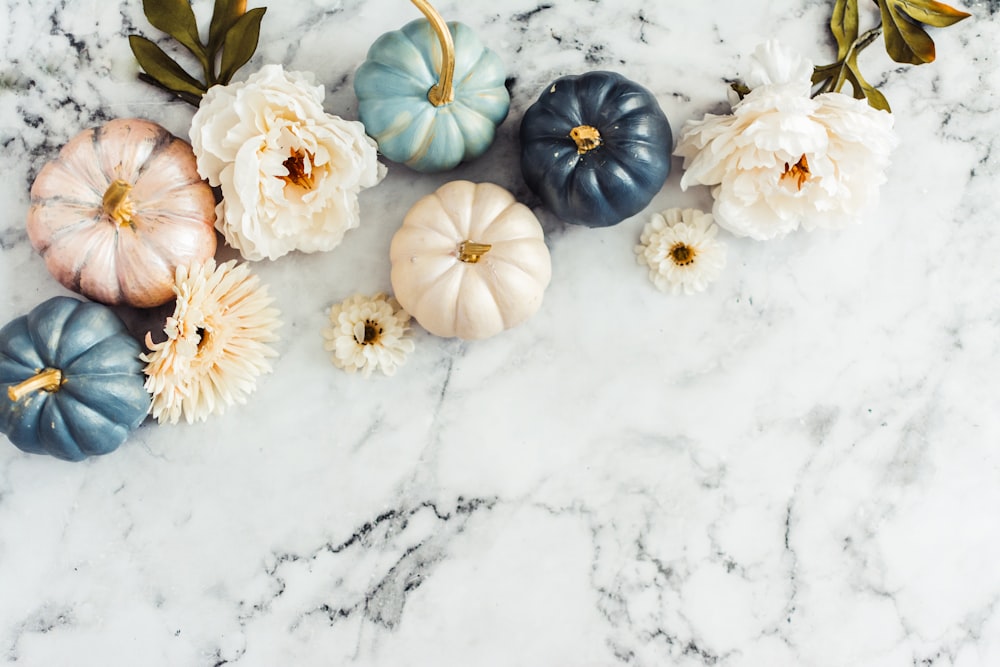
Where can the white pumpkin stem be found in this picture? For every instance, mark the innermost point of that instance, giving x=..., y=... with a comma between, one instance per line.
x=587, y=138
x=471, y=252
x=443, y=92
x=117, y=205
x=49, y=379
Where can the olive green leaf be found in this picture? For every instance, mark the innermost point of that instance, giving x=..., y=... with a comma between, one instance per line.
x=863, y=89
x=233, y=30
x=176, y=18
x=844, y=25
x=846, y=70
x=160, y=67
x=905, y=40
x=223, y=17
x=240, y=42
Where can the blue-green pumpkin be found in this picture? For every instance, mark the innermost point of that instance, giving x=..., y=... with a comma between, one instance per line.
x=418, y=113
x=595, y=148
x=71, y=381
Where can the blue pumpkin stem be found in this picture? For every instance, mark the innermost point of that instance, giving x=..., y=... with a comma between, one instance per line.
x=443, y=92
x=49, y=379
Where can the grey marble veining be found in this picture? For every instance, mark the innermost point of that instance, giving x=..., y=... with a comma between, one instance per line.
x=797, y=467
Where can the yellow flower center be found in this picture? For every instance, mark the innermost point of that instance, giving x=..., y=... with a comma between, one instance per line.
x=682, y=254
x=367, y=332
x=799, y=172
x=296, y=166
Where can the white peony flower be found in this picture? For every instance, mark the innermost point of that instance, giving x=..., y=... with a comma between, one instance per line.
x=783, y=159
x=216, y=343
x=368, y=333
x=290, y=173
x=681, y=251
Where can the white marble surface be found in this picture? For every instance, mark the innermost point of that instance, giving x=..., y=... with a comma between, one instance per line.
x=800, y=466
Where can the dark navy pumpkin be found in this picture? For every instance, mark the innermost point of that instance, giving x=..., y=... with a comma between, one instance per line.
x=71, y=381
x=595, y=148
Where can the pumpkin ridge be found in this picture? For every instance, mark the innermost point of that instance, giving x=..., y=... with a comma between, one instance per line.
x=490, y=286
x=17, y=362
x=472, y=110
x=161, y=139
x=112, y=432
x=428, y=140
x=164, y=140
x=54, y=317
x=68, y=229
x=636, y=164
x=62, y=199
x=510, y=262
x=52, y=429
x=449, y=237
x=419, y=32
x=570, y=114
x=77, y=282
x=71, y=393
x=12, y=336
x=460, y=83
x=171, y=189
x=644, y=109
x=71, y=323
x=22, y=427
x=484, y=233
x=456, y=223
x=389, y=68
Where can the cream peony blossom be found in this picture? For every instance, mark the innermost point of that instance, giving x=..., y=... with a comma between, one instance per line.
x=367, y=334
x=681, y=251
x=290, y=173
x=783, y=159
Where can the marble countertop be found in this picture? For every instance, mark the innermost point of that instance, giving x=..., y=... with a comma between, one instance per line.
x=798, y=467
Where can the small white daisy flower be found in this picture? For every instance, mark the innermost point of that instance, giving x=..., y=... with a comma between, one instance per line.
x=368, y=333
x=216, y=343
x=681, y=251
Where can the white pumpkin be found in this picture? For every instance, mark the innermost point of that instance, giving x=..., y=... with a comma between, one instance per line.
x=470, y=261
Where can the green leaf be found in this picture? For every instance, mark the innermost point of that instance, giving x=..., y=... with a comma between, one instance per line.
x=223, y=17
x=863, y=89
x=162, y=68
x=193, y=100
x=240, y=42
x=930, y=12
x=176, y=18
x=844, y=25
x=905, y=40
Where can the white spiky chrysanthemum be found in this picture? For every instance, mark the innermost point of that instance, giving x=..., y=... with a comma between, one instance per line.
x=216, y=346
x=681, y=250
x=368, y=333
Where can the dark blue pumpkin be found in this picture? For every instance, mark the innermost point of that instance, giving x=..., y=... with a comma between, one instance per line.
x=71, y=381
x=595, y=148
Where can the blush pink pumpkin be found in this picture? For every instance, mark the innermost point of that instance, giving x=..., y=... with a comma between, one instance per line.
x=118, y=210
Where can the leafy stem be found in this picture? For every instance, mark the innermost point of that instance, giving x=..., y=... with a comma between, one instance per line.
x=233, y=36
x=838, y=71
x=906, y=41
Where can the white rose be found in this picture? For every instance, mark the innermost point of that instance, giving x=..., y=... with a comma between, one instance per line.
x=290, y=173
x=783, y=159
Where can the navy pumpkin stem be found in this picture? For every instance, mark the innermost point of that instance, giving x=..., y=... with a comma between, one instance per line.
x=49, y=380
x=443, y=92
x=586, y=137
